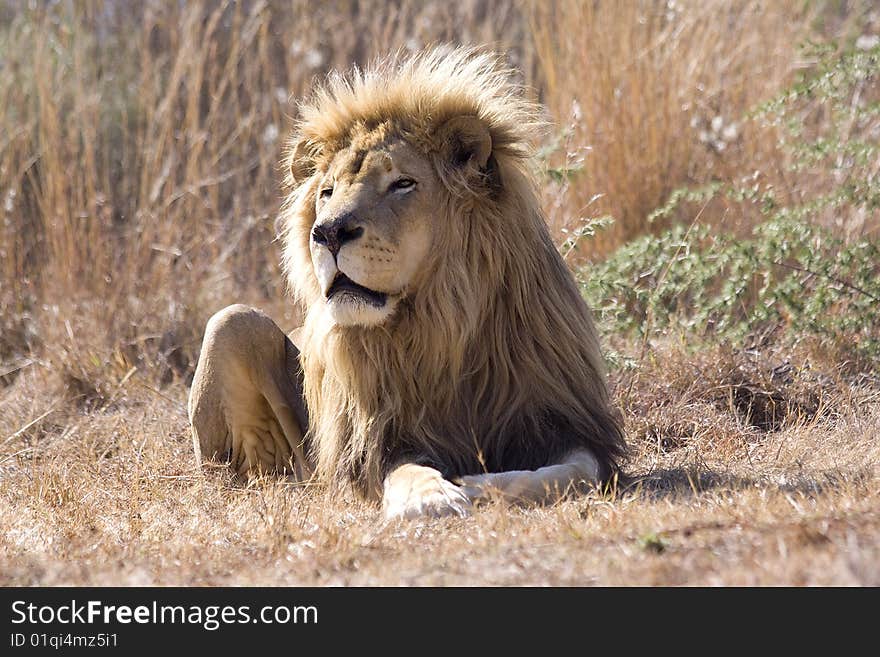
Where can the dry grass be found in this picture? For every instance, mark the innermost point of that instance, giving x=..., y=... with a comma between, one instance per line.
x=657, y=75
x=139, y=145
x=113, y=497
x=140, y=142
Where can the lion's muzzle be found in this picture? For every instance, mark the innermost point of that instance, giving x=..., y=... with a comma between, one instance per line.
x=333, y=235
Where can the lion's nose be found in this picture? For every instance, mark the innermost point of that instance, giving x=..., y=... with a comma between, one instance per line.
x=334, y=234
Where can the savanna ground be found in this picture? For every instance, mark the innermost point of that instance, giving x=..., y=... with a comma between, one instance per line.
x=737, y=287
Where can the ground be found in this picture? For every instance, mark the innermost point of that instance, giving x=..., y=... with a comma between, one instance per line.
x=109, y=494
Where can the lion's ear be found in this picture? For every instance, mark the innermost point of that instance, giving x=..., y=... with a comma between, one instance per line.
x=464, y=141
x=301, y=161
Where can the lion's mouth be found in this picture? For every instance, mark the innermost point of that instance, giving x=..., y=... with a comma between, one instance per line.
x=343, y=285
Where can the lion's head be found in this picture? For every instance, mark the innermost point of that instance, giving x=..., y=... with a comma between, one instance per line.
x=372, y=232
x=440, y=319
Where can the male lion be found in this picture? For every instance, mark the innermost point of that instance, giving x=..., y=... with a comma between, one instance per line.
x=446, y=353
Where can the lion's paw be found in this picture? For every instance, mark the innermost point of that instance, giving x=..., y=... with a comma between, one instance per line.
x=419, y=494
x=513, y=486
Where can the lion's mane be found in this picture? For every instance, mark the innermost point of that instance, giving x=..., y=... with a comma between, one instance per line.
x=495, y=364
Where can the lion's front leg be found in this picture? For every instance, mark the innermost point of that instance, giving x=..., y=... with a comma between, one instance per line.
x=546, y=484
x=413, y=491
x=246, y=404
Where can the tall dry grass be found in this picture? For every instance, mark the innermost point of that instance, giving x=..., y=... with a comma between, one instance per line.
x=139, y=142
x=637, y=86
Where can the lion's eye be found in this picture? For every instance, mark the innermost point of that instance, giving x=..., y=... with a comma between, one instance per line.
x=402, y=184
x=327, y=192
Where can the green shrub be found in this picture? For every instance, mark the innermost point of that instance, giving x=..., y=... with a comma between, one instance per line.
x=810, y=268
x=789, y=275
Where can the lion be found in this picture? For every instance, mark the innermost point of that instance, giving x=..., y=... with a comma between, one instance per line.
x=446, y=355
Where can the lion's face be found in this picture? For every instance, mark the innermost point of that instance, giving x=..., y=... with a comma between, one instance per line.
x=372, y=232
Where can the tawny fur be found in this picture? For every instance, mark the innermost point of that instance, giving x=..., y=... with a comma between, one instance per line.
x=494, y=364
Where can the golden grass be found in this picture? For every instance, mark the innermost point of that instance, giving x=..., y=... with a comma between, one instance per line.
x=139, y=148
x=113, y=497
x=639, y=85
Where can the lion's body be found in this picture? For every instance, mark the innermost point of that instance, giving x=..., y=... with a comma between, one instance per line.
x=483, y=356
